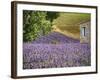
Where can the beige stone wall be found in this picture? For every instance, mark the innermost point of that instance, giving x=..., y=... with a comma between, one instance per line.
x=87, y=37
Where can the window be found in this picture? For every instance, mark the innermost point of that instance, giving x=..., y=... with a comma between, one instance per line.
x=83, y=31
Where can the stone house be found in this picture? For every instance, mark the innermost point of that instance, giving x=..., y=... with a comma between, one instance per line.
x=85, y=32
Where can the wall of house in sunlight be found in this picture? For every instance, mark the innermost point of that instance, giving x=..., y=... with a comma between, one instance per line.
x=85, y=32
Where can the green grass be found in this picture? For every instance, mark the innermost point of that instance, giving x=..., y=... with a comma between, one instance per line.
x=69, y=22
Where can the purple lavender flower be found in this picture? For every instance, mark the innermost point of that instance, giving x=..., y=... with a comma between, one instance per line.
x=43, y=53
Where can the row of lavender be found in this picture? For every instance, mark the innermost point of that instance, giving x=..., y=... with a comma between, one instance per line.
x=55, y=37
x=70, y=53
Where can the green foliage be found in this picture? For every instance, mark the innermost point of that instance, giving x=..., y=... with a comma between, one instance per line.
x=52, y=15
x=36, y=24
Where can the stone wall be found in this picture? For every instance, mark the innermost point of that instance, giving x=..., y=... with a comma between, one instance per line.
x=85, y=32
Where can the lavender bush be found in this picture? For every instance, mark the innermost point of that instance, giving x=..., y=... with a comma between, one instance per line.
x=54, y=37
x=55, y=50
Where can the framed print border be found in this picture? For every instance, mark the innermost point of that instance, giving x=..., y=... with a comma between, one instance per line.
x=14, y=36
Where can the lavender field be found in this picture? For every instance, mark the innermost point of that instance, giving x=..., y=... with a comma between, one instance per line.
x=55, y=50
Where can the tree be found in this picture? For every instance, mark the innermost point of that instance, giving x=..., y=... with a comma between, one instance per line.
x=52, y=15
x=37, y=23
